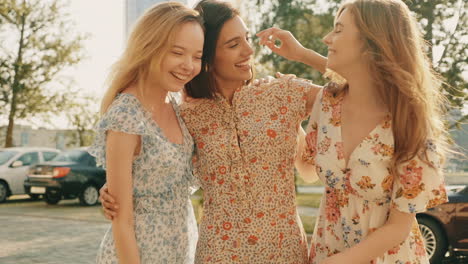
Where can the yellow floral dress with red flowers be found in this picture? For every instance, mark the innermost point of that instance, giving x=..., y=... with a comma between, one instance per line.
x=245, y=154
x=359, y=195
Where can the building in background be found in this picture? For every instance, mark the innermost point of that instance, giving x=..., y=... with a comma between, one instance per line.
x=134, y=9
x=26, y=136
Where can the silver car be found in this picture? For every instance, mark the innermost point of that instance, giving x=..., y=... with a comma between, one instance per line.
x=14, y=165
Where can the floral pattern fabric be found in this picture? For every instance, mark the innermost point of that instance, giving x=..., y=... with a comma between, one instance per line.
x=359, y=195
x=165, y=226
x=245, y=165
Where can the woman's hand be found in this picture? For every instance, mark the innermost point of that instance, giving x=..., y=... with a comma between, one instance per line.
x=108, y=203
x=289, y=47
x=265, y=80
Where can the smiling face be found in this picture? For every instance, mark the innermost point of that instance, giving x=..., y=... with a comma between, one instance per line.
x=232, y=62
x=182, y=62
x=345, y=46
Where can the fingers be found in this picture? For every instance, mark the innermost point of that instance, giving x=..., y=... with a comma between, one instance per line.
x=108, y=214
x=268, y=31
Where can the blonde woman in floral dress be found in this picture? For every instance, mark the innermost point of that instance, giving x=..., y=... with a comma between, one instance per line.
x=376, y=140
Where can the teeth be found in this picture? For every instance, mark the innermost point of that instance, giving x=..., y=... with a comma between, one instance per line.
x=242, y=65
x=180, y=76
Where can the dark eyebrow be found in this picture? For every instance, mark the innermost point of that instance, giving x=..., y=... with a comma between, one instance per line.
x=231, y=40
x=247, y=33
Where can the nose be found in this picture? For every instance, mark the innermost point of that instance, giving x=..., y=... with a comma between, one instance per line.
x=327, y=39
x=188, y=63
x=248, y=50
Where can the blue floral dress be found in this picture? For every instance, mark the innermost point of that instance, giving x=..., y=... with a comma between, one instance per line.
x=359, y=195
x=165, y=226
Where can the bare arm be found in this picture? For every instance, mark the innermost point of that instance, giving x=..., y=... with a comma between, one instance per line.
x=120, y=149
x=306, y=171
x=390, y=235
x=291, y=49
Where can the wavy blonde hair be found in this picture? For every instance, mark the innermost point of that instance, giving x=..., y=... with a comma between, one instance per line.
x=151, y=38
x=403, y=76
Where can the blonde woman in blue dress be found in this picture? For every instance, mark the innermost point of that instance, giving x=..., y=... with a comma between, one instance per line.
x=143, y=143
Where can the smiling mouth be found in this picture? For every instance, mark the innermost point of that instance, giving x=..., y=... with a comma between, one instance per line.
x=243, y=65
x=182, y=77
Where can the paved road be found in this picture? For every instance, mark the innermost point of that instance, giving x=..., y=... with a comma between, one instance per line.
x=32, y=232
x=67, y=233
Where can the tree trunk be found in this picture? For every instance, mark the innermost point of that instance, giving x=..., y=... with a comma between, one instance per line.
x=15, y=87
x=11, y=124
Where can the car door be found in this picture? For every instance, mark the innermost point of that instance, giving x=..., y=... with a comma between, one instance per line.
x=19, y=174
x=461, y=220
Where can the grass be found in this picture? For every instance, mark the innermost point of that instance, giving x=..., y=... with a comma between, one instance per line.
x=309, y=223
x=308, y=199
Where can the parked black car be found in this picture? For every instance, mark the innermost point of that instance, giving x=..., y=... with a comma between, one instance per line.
x=445, y=227
x=70, y=174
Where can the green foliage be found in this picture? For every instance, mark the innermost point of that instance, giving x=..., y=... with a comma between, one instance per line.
x=310, y=20
x=433, y=17
x=37, y=43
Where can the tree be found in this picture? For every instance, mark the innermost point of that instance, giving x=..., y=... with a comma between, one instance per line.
x=83, y=117
x=37, y=43
x=310, y=20
x=444, y=24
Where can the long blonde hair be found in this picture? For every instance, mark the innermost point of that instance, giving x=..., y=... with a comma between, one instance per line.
x=402, y=73
x=151, y=38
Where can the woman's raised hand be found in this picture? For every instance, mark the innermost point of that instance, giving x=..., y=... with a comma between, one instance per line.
x=288, y=47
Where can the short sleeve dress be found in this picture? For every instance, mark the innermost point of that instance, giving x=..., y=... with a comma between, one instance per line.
x=246, y=152
x=359, y=195
x=165, y=226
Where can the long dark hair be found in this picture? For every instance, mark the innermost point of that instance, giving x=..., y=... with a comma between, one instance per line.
x=215, y=14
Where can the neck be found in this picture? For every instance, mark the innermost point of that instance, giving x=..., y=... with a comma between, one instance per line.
x=154, y=96
x=362, y=92
x=227, y=88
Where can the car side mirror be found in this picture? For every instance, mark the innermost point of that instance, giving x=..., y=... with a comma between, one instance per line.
x=17, y=164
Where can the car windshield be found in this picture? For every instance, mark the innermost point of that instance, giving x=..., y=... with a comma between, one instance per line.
x=6, y=155
x=71, y=155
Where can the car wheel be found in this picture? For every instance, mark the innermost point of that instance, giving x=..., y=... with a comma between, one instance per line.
x=89, y=196
x=434, y=239
x=35, y=196
x=3, y=192
x=52, y=197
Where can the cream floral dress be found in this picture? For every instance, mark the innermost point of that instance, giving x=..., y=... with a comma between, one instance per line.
x=358, y=196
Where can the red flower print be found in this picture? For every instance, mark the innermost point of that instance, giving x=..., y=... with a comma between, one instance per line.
x=274, y=116
x=200, y=145
x=204, y=130
x=260, y=215
x=252, y=240
x=214, y=126
x=339, y=150
x=253, y=160
x=283, y=110
x=245, y=113
x=412, y=175
x=227, y=226
x=271, y=133
x=222, y=169
x=225, y=237
x=247, y=220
